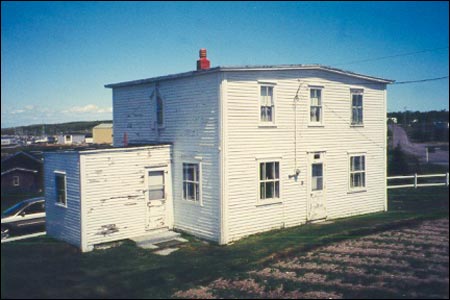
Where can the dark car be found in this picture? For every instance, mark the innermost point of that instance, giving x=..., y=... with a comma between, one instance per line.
x=25, y=217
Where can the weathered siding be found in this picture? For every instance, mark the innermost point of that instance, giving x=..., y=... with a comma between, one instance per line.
x=113, y=192
x=191, y=124
x=63, y=223
x=246, y=142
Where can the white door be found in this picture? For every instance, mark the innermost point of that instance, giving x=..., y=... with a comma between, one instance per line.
x=157, y=195
x=317, y=209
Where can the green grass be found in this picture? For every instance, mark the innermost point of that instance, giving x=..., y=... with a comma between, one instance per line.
x=45, y=268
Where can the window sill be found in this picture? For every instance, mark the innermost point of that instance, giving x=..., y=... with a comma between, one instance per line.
x=61, y=205
x=262, y=125
x=316, y=125
x=268, y=202
x=356, y=191
x=191, y=202
x=356, y=125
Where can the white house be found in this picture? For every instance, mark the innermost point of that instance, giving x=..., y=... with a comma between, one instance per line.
x=71, y=139
x=244, y=150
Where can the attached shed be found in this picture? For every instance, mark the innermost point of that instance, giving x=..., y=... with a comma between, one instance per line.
x=100, y=196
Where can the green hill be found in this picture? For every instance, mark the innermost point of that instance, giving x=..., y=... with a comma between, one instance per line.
x=53, y=129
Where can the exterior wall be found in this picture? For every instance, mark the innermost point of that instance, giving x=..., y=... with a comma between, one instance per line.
x=29, y=182
x=75, y=139
x=191, y=124
x=246, y=143
x=63, y=223
x=102, y=135
x=113, y=192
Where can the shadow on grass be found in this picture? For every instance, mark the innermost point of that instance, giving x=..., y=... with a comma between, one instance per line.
x=45, y=268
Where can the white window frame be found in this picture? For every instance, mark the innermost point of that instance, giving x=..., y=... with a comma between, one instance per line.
x=16, y=180
x=271, y=85
x=57, y=202
x=313, y=123
x=198, y=201
x=267, y=201
x=356, y=91
x=351, y=172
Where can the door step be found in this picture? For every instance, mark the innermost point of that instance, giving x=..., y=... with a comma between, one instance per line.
x=157, y=240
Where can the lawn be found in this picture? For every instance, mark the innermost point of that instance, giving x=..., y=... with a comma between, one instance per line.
x=45, y=268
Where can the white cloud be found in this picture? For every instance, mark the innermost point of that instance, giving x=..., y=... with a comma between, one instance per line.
x=90, y=108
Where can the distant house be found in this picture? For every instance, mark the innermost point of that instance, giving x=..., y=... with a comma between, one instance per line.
x=88, y=138
x=102, y=133
x=21, y=173
x=71, y=139
x=8, y=140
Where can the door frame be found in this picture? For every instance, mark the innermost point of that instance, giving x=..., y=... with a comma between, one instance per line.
x=311, y=160
x=167, y=192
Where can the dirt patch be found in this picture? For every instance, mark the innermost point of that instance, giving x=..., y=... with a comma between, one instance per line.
x=406, y=263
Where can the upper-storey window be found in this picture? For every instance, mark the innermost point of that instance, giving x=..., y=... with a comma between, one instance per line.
x=357, y=107
x=159, y=111
x=315, y=110
x=267, y=104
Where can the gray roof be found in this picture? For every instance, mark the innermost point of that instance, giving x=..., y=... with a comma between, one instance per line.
x=104, y=125
x=250, y=68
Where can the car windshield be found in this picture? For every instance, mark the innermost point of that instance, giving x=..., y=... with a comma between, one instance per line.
x=14, y=209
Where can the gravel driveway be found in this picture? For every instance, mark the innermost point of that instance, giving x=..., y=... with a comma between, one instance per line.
x=403, y=263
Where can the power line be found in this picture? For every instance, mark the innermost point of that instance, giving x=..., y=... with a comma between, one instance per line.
x=420, y=80
x=390, y=56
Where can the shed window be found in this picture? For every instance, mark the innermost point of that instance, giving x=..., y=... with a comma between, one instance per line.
x=357, y=172
x=315, y=110
x=16, y=181
x=269, y=180
x=267, y=104
x=357, y=107
x=191, y=182
x=61, y=189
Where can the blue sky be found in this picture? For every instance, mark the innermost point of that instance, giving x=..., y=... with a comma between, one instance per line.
x=57, y=56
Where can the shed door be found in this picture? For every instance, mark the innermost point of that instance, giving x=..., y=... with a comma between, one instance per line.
x=316, y=187
x=156, y=198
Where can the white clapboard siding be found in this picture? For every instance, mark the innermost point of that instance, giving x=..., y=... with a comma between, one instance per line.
x=246, y=142
x=113, y=192
x=191, y=124
x=63, y=223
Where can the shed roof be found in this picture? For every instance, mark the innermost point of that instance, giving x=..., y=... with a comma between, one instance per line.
x=251, y=68
x=104, y=125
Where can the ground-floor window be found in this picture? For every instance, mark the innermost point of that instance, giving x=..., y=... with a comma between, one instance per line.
x=357, y=171
x=191, y=182
x=269, y=180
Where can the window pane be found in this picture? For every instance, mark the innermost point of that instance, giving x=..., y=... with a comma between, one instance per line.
x=156, y=194
x=270, y=93
x=35, y=208
x=189, y=172
x=262, y=171
x=277, y=170
x=190, y=191
x=270, y=171
x=270, y=190
x=316, y=170
x=263, y=114
x=269, y=114
x=262, y=190
x=277, y=189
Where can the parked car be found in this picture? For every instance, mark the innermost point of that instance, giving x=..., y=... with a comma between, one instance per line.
x=26, y=216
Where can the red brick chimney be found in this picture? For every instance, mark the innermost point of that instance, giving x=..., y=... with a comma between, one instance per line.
x=203, y=63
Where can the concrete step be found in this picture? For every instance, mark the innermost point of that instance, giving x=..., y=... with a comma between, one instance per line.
x=148, y=241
